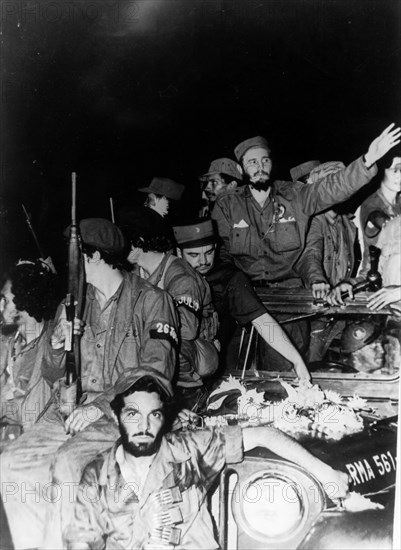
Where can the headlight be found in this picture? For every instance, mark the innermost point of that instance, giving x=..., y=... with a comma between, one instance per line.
x=270, y=506
x=273, y=504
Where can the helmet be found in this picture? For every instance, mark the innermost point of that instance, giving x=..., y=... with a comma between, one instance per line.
x=358, y=335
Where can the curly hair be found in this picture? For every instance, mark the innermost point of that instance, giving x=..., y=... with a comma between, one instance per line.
x=159, y=243
x=36, y=289
x=113, y=259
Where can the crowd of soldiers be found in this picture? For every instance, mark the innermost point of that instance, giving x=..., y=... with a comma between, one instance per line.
x=161, y=305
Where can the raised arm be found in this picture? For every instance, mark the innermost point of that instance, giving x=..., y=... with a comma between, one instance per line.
x=339, y=186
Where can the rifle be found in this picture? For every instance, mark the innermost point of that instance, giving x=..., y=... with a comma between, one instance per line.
x=31, y=229
x=373, y=282
x=46, y=260
x=112, y=209
x=74, y=301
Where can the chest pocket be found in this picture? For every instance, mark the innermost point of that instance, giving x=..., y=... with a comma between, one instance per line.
x=243, y=240
x=285, y=237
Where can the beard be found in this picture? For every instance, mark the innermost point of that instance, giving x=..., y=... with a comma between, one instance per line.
x=262, y=182
x=140, y=449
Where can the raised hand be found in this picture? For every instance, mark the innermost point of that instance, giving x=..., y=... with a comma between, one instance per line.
x=382, y=144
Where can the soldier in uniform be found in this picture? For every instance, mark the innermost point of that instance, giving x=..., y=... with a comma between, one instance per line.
x=263, y=224
x=233, y=294
x=150, y=490
x=126, y=322
x=223, y=175
x=150, y=251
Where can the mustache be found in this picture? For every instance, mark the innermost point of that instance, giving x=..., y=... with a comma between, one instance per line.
x=144, y=433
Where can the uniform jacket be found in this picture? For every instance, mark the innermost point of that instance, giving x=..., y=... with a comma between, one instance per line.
x=327, y=256
x=142, y=332
x=197, y=316
x=27, y=376
x=266, y=242
x=172, y=504
x=235, y=299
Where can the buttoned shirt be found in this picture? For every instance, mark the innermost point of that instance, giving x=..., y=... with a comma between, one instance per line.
x=267, y=241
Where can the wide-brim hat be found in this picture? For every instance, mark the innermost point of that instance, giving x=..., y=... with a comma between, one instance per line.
x=242, y=148
x=165, y=187
x=198, y=233
x=225, y=166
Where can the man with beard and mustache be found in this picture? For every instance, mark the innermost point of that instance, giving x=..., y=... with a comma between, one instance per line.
x=150, y=490
x=263, y=225
x=233, y=295
x=28, y=302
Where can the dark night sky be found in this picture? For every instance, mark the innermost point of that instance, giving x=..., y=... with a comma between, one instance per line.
x=120, y=91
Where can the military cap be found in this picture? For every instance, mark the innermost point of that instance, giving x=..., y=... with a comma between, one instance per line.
x=303, y=169
x=242, y=148
x=102, y=234
x=136, y=374
x=165, y=187
x=224, y=166
x=198, y=233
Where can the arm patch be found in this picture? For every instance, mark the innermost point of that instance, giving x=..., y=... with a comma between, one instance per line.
x=164, y=331
x=188, y=302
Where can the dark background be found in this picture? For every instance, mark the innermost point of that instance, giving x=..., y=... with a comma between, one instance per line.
x=120, y=91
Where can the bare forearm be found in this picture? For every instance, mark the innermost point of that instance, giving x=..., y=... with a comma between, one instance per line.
x=285, y=446
x=272, y=333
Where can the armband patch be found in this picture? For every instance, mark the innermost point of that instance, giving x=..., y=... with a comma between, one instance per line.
x=164, y=331
x=187, y=301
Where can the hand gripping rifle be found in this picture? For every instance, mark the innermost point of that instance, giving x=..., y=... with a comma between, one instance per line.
x=73, y=306
x=372, y=282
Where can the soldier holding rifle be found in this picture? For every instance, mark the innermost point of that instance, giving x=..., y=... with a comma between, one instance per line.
x=123, y=327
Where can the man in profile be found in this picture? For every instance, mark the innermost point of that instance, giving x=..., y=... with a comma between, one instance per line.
x=234, y=297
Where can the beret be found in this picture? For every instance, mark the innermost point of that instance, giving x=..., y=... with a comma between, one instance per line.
x=101, y=234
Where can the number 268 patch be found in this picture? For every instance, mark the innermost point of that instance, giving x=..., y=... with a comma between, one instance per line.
x=164, y=331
